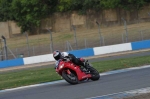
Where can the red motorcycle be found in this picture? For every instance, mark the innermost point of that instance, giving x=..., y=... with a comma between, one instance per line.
x=74, y=74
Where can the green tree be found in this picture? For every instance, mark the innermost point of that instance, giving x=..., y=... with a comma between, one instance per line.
x=28, y=13
x=124, y=4
x=5, y=12
x=92, y=4
x=131, y=4
x=64, y=5
x=147, y=1
x=78, y=5
x=109, y=4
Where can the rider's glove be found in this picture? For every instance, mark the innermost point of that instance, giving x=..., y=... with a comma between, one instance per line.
x=70, y=58
x=67, y=58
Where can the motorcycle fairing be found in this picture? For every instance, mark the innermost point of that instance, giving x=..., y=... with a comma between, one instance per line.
x=70, y=66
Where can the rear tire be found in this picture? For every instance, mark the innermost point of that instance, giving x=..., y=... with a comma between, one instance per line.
x=95, y=74
x=70, y=78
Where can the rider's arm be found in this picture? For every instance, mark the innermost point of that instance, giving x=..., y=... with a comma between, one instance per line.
x=66, y=56
x=56, y=64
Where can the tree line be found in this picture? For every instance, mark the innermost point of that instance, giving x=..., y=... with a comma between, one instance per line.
x=28, y=13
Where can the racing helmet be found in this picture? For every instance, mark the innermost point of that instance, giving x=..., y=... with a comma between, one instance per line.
x=57, y=55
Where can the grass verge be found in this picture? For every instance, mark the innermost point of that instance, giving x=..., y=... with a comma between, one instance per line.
x=40, y=75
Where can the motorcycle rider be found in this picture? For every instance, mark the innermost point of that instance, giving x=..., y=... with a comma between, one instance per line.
x=67, y=56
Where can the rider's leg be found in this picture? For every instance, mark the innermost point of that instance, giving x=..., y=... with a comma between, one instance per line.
x=77, y=61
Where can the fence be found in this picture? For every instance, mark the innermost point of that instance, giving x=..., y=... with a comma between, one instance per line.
x=25, y=46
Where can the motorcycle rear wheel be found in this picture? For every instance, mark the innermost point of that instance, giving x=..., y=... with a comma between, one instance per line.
x=95, y=74
x=70, y=78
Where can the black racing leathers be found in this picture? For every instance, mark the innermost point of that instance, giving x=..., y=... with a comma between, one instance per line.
x=75, y=60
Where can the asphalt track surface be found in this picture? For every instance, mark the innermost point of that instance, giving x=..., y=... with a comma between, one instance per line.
x=108, y=84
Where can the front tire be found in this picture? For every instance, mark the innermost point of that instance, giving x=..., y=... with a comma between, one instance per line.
x=95, y=74
x=70, y=78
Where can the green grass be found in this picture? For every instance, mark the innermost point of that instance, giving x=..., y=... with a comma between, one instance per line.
x=40, y=75
x=27, y=77
x=121, y=63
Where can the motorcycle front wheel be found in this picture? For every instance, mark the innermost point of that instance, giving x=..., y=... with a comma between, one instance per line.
x=70, y=78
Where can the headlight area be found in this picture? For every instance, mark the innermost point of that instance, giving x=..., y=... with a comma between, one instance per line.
x=61, y=66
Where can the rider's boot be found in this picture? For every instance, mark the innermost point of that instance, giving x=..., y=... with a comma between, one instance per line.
x=87, y=67
x=85, y=64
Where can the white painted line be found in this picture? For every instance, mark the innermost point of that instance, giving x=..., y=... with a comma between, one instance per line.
x=60, y=81
x=31, y=86
x=125, y=94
